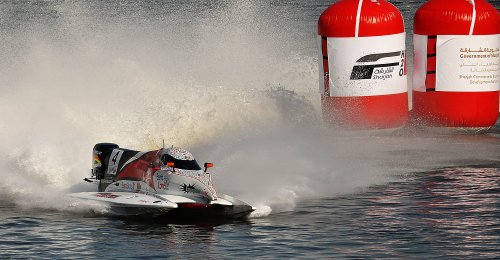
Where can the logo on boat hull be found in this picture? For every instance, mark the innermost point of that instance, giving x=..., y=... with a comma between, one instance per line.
x=188, y=188
x=107, y=195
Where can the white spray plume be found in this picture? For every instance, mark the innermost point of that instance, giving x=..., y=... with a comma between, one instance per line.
x=81, y=76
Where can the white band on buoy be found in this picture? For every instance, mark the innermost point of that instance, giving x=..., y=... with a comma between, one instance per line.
x=358, y=18
x=419, y=62
x=464, y=63
x=473, y=22
x=366, y=66
x=467, y=63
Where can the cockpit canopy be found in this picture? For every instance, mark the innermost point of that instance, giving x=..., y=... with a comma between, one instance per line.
x=181, y=158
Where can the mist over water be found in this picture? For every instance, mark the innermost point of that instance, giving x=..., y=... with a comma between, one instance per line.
x=77, y=73
x=233, y=81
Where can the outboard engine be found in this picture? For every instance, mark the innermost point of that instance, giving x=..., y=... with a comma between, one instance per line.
x=100, y=156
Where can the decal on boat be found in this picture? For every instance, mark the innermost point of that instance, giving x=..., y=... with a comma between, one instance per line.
x=188, y=188
x=107, y=195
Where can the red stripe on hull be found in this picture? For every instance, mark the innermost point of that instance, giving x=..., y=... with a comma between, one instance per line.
x=192, y=205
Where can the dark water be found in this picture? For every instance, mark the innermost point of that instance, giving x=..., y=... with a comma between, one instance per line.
x=449, y=213
x=440, y=197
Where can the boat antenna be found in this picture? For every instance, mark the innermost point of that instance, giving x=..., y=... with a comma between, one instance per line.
x=163, y=143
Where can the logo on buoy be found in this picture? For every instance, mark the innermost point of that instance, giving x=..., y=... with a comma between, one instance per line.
x=381, y=71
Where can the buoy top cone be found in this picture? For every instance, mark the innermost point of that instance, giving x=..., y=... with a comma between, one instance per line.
x=455, y=17
x=345, y=19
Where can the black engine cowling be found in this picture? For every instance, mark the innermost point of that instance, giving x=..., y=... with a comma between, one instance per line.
x=101, y=153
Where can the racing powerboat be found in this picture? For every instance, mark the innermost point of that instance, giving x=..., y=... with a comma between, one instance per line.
x=167, y=182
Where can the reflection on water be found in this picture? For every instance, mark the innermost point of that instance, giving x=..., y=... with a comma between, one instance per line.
x=446, y=213
x=463, y=204
x=452, y=212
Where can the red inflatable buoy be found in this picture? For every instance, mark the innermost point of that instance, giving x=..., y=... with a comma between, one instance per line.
x=363, y=73
x=456, y=63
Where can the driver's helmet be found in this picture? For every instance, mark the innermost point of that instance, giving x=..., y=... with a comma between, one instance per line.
x=179, y=153
x=181, y=158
